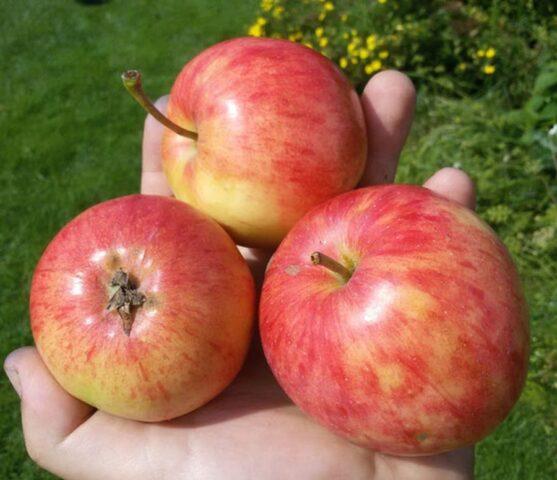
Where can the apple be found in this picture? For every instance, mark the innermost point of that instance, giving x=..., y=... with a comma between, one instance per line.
x=396, y=318
x=260, y=131
x=142, y=307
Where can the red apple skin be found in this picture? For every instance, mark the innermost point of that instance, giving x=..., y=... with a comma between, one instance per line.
x=424, y=349
x=188, y=339
x=280, y=131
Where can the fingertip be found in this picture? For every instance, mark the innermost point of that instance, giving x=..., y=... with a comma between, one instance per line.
x=392, y=83
x=388, y=101
x=13, y=358
x=453, y=184
x=11, y=368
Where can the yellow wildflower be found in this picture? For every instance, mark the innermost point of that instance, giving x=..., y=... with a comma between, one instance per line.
x=277, y=12
x=490, y=52
x=323, y=42
x=295, y=36
x=371, y=42
x=354, y=32
x=308, y=44
x=382, y=1
x=256, y=30
x=343, y=17
x=461, y=67
x=489, y=69
x=373, y=66
x=383, y=54
x=319, y=32
x=354, y=60
x=328, y=6
x=267, y=5
x=364, y=53
x=343, y=62
x=352, y=48
x=345, y=36
x=261, y=21
x=322, y=16
x=480, y=53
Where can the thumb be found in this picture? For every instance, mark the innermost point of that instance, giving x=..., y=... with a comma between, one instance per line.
x=48, y=412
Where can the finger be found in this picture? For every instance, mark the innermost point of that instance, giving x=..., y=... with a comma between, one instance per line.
x=455, y=465
x=453, y=184
x=48, y=412
x=257, y=260
x=388, y=101
x=153, y=180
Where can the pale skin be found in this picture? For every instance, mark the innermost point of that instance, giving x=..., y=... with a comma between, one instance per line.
x=252, y=430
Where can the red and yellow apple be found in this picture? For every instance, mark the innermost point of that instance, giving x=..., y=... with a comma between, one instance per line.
x=396, y=318
x=278, y=129
x=142, y=307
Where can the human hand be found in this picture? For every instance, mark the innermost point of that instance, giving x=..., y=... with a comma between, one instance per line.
x=251, y=430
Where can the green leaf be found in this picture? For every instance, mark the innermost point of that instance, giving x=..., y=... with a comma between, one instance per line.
x=549, y=112
x=535, y=103
x=546, y=80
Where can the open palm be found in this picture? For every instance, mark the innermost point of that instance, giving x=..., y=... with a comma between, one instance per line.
x=251, y=430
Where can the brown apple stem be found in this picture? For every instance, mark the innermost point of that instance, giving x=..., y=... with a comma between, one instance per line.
x=125, y=297
x=132, y=82
x=318, y=258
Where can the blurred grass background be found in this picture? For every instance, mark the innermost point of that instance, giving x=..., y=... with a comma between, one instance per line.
x=71, y=136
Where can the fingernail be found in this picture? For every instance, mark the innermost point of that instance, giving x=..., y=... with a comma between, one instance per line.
x=13, y=376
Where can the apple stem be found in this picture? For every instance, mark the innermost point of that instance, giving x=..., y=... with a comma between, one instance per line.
x=132, y=82
x=318, y=258
x=124, y=298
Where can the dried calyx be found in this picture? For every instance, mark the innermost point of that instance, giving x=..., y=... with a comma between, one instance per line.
x=125, y=297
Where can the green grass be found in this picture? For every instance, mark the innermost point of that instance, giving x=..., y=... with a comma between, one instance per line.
x=71, y=138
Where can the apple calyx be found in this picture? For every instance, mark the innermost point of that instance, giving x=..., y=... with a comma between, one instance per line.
x=124, y=298
x=132, y=82
x=318, y=258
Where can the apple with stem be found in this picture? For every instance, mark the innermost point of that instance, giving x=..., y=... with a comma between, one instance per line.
x=142, y=307
x=396, y=318
x=259, y=132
